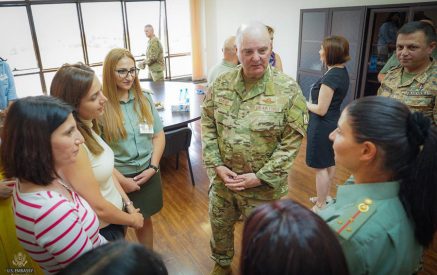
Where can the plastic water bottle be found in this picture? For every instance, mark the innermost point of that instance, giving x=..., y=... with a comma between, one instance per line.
x=180, y=95
x=187, y=97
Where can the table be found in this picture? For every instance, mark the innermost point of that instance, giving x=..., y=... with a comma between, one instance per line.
x=167, y=92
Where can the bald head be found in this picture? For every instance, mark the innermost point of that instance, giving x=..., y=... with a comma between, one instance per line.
x=253, y=49
x=254, y=30
x=229, y=44
x=230, y=50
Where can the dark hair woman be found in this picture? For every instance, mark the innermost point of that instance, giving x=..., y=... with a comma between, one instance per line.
x=284, y=237
x=53, y=223
x=389, y=214
x=118, y=258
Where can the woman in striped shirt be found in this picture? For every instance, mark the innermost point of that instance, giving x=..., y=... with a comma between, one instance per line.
x=53, y=224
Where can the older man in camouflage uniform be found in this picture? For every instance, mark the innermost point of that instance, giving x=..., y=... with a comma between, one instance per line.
x=154, y=55
x=414, y=81
x=253, y=121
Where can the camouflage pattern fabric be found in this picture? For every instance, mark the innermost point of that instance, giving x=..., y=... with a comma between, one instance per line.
x=418, y=93
x=225, y=209
x=155, y=58
x=155, y=76
x=256, y=131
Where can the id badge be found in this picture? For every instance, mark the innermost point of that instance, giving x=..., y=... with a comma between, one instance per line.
x=3, y=77
x=145, y=128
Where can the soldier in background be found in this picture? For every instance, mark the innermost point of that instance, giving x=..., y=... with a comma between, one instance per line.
x=414, y=82
x=230, y=60
x=154, y=55
x=393, y=60
x=253, y=122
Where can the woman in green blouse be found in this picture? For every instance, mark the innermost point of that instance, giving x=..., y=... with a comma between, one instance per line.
x=133, y=129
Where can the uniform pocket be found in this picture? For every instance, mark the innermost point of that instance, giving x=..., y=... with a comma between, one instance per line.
x=269, y=123
x=419, y=101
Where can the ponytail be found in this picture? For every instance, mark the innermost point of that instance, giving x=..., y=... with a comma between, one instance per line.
x=418, y=184
x=409, y=143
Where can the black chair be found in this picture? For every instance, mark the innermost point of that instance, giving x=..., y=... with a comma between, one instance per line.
x=176, y=141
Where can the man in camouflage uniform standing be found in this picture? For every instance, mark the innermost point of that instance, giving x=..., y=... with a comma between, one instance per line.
x=414, y=81
x=154, y=55
x=253, y=120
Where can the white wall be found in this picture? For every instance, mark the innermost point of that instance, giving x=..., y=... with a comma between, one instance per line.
x=222, y=18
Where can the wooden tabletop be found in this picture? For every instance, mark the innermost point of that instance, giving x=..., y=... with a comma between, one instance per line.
x=169, y=93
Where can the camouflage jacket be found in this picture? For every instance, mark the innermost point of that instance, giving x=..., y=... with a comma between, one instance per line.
x=257, y=131
x=155, y=55
x=418, y=93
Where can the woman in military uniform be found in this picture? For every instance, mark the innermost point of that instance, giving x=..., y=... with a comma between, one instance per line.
x=386, y=213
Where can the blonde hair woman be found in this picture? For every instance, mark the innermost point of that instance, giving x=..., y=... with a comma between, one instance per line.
x=132, y=128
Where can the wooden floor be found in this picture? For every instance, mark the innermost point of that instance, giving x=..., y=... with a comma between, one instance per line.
x=182, y=230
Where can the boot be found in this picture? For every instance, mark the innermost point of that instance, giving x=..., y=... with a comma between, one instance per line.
x=221, y=270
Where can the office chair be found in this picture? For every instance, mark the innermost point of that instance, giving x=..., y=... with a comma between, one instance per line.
x=176, y=141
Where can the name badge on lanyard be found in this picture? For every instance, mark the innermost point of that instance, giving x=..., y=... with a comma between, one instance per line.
x=146, y=129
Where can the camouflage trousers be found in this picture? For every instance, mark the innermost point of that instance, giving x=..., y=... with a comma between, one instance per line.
x=225, y=208
x=156, y=76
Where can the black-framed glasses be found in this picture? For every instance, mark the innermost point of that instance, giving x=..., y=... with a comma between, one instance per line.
x=123, y=73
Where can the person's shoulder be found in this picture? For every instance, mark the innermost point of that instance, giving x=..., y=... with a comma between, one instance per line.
x=155, y=40
x=393, y=71
x=434, y=65
x=352, y=218
x=284, y=82
x=39, y=203
x=146, y=92
x=227, y=78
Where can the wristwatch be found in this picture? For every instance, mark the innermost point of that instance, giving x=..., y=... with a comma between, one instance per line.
x=154, y=168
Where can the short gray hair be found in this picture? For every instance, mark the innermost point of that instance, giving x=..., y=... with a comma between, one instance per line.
x=257, y=28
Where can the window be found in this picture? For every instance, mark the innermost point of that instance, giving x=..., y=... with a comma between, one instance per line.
x=16, y=48
x=179, y=32
x=181, y=65
x=63, y=28
x=103, y=24
x=140, y=14
x=57, y=31
x=28, y=85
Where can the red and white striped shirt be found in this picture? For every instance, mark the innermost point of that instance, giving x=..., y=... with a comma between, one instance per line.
x=53, y=230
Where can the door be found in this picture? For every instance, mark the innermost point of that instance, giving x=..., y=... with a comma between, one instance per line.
x=313, y=29
x=349, y=23
x=383, y=25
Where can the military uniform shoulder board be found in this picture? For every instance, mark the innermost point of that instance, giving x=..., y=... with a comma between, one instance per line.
x=353, y=218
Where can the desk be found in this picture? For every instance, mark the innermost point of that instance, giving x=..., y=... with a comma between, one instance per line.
x=167, y=92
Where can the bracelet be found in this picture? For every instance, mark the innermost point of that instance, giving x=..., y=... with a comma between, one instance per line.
x=154, y=168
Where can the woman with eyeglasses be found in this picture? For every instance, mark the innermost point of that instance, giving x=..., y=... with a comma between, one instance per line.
x=132, y=128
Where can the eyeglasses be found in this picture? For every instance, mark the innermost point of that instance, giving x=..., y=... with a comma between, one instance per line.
x=123, y=73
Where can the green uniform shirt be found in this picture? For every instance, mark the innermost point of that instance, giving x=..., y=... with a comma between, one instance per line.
x=155, y=55
x=257, y=131
x=419, y=93
x=132, y=155
x=374, y=230
x=218, y=69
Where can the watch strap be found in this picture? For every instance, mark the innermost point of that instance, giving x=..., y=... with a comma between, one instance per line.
x=154, y=168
